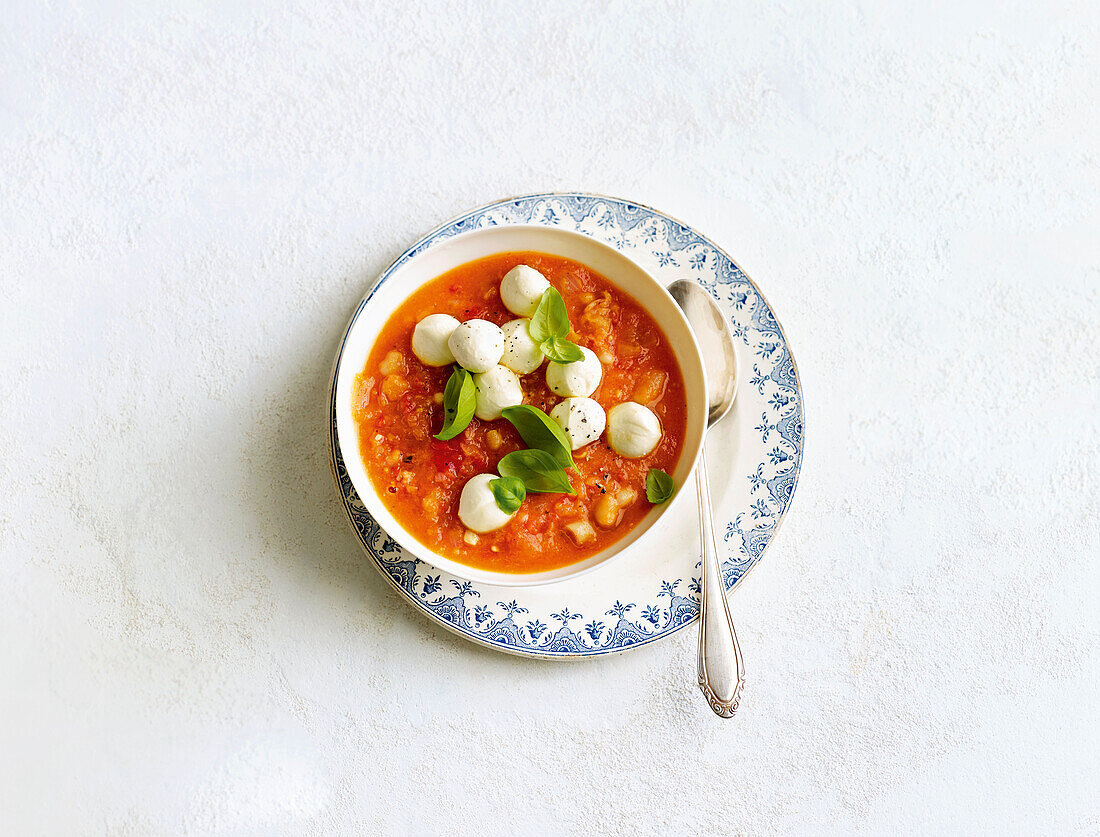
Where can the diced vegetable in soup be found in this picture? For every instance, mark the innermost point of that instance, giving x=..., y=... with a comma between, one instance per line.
x=516, y=434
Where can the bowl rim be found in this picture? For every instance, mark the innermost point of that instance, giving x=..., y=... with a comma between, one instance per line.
x=345, y=370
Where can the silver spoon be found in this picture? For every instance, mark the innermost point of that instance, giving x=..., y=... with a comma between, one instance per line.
x=721, y=670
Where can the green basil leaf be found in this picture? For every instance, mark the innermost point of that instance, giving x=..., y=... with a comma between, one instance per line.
x=658, y=486
x=459, y=400
x=560, y=350
x=509, y=492
x=551, y=319
x=539, y=471
x=541, y=432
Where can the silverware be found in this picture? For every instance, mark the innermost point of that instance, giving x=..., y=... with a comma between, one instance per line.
x=721, y=669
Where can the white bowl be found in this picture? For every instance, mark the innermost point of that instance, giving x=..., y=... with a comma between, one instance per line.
x=398, y=283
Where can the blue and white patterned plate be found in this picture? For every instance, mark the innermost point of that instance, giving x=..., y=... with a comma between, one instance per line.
x=753, y=457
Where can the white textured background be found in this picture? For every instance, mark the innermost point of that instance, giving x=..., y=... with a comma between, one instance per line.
x=192, y=201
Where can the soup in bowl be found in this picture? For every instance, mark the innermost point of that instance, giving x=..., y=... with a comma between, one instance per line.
x=518, y=405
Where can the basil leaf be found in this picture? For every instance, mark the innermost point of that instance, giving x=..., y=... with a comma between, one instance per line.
x=538, y=470
x=459, y=400
x=560, y=350
x=541, y=432
x=509, y=492
x=658, y=486
x=551, y=319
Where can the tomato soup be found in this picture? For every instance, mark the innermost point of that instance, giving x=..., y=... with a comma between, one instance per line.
x=398, y=408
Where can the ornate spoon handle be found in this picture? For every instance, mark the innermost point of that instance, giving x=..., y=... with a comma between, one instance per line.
x=721, y=670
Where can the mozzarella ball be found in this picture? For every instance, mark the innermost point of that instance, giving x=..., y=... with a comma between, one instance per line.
x=632, y=430
x=496, y=389
x=477, y=507
x=575, y=379
x=521, y=289
x=476, y=345
x=429, y=340
x=582, y=419
x=521, y=353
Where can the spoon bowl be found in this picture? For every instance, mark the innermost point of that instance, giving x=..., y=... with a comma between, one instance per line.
x=716, y=344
